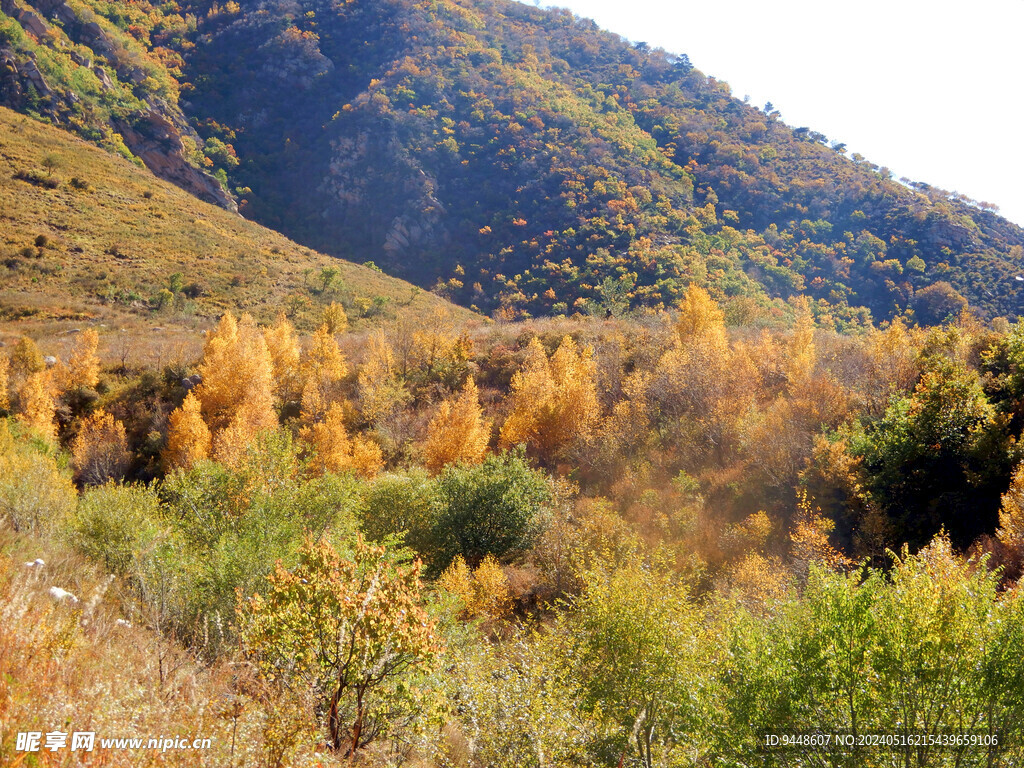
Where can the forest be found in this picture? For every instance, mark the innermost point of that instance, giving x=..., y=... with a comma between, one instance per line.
x=650, y=541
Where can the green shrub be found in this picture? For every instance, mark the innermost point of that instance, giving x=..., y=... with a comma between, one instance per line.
x=401, y=505
x=35, y=493
x=493, y=508
x=116, y=525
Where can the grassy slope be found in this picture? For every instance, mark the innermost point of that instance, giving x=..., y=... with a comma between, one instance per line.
x=112, y=247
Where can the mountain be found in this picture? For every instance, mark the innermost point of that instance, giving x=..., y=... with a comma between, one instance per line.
x=516, y=159
x=88, y=235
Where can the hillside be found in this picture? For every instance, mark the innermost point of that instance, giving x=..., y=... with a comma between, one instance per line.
x=87, y=235
x=545, y=165
x=516, y=159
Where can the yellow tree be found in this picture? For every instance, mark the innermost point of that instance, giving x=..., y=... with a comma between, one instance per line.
x=218, y=393
x=532, y=390
x=483, y=591
x=802, y=352
x=1011, y=526
x=323, y=369
x=237, y=390
x=100, y=449
x=26, y=359
x=335, y=451
x=554, y=402
x=37, y=408
x=283, y=345
x=188, y=437
x=701, y=385
x=334, y=318
x=458, y=432
x=381, y=391
x=700, y=317
x=5, y=399
x=575, y=408
x=84, y=364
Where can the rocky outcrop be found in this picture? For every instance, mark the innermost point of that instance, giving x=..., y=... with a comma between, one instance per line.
x=156, y=141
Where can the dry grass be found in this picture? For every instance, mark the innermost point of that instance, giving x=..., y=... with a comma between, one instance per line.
x=76, y=669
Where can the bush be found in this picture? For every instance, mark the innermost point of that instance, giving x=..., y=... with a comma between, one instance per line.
x=35, y=493
x=117, y=525
x=493, y=508
x=401, y=505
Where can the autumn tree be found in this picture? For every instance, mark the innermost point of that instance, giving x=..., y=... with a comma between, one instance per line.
x=439, y=353
x=802, y=352
x=36, y=406
x=1010, y=533
x=237, y=389
x=352, y=629
x=334, y=450
x=458, y=431
x=701, y=386
x=26, y=360
x=283, y=345
x=100, y=450
x=482, y=592
x=84, y=364
x=188, y=437
x=334, y=318
x=554, y=402
x=323, y=368
x=5, y=398
x=700, y=317
x=381, y=390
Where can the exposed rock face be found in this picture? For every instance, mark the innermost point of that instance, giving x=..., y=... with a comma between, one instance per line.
x=157, y=142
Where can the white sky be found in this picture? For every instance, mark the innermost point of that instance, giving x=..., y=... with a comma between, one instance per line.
x=934, y=90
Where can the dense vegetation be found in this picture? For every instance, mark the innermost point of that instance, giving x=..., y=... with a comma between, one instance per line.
x=591, y=542
x=516, y=159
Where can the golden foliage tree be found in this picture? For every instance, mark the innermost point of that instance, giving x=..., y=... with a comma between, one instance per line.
x=283, y=345
x=26, y=360
x=381, y=391
x=335, y=451
x=188, y=437
x=237, y=390
x=532, y=388
x=802, y=353
x=483, y=591
x=100, y=450
x=554, y=402
x=5, y=398
x=84, y=363
x=458, y=432
x=700, y=317
x=218, y=393
x=1011, y=525
x=323, y=369
x=809, y=538
x=37, y=408
x=334, y=318
x=701, y=385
